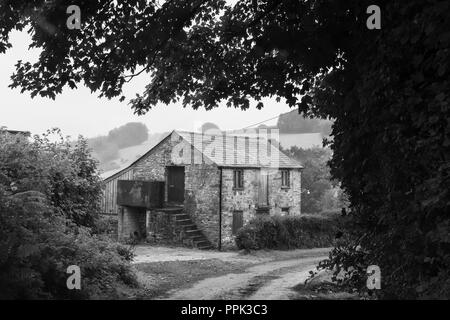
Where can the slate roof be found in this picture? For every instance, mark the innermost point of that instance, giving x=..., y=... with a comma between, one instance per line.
x=225, y=150
x=239, y=150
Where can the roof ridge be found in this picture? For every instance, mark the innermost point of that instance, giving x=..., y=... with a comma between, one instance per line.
x=210, y=134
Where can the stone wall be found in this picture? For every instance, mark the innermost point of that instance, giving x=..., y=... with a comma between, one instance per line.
x=153, y=166
x=163, y=229
x=201, y=189
x=201, y=199
x=132, y=224
x=246, y=200
x=232, y=200
x=285, y=198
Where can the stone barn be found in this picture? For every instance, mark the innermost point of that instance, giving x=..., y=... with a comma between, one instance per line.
x=198, y=189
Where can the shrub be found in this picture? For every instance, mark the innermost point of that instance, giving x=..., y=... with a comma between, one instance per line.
x=47, y=196
x=106, y=225
x=278, y=232
x=62, y=170
x=37, y=245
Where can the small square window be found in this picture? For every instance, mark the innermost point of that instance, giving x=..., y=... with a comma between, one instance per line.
x=285, y=210
x=285, y=179
x=238, y=179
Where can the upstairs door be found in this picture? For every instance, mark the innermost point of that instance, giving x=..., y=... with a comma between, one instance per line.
x=263, y=192
x=175, y=185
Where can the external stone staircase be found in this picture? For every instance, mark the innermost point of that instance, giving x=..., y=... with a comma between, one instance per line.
x=192, y=235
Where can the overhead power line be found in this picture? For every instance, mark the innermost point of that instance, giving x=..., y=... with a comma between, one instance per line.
x=260, y=122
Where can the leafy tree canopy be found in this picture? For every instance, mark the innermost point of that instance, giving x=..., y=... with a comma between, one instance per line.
x=292, y=122
x=201, y=51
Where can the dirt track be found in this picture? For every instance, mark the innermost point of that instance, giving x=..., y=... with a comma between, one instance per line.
x=264, y=275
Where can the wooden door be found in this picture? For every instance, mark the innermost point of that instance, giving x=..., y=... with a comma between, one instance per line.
x=175, y=185
x=263, y=194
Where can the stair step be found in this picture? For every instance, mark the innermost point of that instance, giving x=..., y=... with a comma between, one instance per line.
x=188, y=221
x=193, y=232
x=202, y=243
x=188, y=227
x=179, y=217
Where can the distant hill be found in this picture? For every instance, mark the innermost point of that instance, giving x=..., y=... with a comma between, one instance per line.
x=301, y=140
x=295, y=130
x=126, y=156
x=121, y=145
x=293, y=122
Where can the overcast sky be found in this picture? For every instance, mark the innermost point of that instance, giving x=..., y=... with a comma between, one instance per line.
x=82, y=112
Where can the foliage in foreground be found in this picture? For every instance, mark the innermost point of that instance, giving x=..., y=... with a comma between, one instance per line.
x=284, y=232
x=41, y=229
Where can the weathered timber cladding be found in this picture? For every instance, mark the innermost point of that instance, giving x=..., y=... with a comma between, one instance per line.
x=109, y=199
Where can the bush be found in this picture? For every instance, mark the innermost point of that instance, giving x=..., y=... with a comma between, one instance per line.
x=107, y=225
x=278, y=232
x=37, y=246
x=62, y=170
x=48, y=195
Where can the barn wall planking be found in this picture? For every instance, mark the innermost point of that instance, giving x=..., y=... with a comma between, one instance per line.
x=109, y=204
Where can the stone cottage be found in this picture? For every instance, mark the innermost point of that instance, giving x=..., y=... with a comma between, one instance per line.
x=199, y=189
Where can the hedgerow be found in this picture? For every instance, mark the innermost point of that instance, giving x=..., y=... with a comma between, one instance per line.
x=278, y=232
